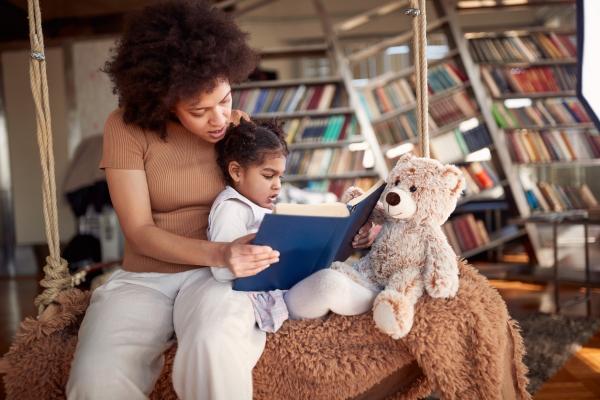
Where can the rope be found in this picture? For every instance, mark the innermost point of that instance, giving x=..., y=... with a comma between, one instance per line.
x=57, y=276
x=419, y=14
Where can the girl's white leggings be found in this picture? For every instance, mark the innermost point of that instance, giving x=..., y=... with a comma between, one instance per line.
x=134, y=317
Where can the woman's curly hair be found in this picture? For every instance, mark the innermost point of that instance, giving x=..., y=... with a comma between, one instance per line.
x=249, y=143
x=171, y=51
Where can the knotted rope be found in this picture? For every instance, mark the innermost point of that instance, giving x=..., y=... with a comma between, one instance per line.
x=57, y=276
x=419, y=14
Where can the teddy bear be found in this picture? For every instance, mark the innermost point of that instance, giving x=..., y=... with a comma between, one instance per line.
x=411, y=255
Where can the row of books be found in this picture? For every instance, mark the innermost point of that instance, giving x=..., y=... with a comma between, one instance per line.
x=453, y=108
x=541, y=113
x=444, y=76
x=502, y=80
x=400, y=129
x=479, y=176
x=465, y=232
x=338, y=186
x=446, y=111
x=386, y=98
x=396, y=94
x=289, y=99
x=552, y=197
x=329, y=129
x=329, y=161
x=455, y=145
x=531, y=48
x=553, y=145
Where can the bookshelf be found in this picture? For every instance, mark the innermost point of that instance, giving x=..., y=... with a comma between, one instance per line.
x=470, y=124
x=527, y=94
x=327, y=147
x=458, y=126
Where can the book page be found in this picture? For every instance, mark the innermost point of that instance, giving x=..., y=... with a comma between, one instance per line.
x=318, y=210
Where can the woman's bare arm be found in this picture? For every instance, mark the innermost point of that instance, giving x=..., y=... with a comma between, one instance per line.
x=131, y=201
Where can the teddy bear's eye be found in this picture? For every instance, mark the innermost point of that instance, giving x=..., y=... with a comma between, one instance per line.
x=413, y=188
x=397, y=182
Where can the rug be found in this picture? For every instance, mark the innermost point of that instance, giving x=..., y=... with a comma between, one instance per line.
x=549, y=342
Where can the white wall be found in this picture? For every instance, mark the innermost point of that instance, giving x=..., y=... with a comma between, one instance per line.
x=94, y=99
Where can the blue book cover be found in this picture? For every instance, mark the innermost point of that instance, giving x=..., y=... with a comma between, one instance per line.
x=308, y=243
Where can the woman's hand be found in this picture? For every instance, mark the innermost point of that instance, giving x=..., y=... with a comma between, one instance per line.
x=237, y=115
x=244, y=259
x=366, y=236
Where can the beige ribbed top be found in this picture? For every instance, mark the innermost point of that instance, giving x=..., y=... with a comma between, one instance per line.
x=183, y=181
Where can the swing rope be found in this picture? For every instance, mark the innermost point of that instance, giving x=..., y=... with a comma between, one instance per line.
x=57, y=277
x=56, y=273
x=419, y=24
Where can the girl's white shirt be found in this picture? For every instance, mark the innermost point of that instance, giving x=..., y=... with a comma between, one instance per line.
x=232, y=216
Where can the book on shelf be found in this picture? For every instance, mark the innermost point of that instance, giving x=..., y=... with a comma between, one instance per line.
x=455, y=145
x=502, y=80
x=380, y=99
x=524, y=48
x=320, y=130
x=553, y=197
x=527, y=146
x=479, y=176
x=465, y=232
x=302, y=97
x=400, y=129
x=446, y=111
x=541, y=113
x=308, y=238
x=324, y=161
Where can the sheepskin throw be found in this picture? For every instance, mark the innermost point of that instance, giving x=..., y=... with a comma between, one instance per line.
x=466, y=347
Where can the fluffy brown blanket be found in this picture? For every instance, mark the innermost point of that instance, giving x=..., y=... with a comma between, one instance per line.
x=466, y=348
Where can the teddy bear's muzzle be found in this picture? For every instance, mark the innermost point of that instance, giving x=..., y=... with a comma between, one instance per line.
x=399, y=204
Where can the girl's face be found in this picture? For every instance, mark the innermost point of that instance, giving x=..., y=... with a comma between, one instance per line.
x=259, y=183
x=207, y=114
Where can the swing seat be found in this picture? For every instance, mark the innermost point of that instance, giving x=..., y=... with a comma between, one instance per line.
x=334, y=358
x=465, y=348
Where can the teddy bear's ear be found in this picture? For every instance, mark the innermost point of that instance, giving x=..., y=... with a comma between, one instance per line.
x=405, y=158
x=453, y=178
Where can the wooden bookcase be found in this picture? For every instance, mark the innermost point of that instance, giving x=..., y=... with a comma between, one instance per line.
x=463, y=131
x=550, y=146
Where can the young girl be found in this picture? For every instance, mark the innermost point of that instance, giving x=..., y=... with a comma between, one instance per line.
x=252, y=158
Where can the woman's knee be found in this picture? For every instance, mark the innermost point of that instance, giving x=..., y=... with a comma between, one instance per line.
x=107, y=374
x=90, y=378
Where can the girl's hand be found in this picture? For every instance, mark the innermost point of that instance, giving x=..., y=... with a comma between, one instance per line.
x=244, y=259
x=237, y=115
x=366, y=236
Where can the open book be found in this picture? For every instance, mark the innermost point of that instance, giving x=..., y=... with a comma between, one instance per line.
x=308, y=238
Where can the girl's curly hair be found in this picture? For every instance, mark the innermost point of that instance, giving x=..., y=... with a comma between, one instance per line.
x=173, y=50
x=249, y=143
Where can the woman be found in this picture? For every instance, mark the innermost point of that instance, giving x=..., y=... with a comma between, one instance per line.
x=172, y=71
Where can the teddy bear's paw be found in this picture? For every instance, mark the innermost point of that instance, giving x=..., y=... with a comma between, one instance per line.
x=394, y=317
x=351, y=193
x=441, y=287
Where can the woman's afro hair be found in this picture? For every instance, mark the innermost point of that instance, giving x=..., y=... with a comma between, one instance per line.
x=171, y=51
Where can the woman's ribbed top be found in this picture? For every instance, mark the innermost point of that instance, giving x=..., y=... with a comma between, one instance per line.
x=182, y=175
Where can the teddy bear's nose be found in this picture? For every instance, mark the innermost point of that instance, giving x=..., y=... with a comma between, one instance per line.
x=392, y=198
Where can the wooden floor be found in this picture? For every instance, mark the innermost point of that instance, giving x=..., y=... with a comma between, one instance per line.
x=578, y=379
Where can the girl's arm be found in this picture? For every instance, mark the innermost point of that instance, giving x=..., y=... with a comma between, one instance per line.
x=131, y=201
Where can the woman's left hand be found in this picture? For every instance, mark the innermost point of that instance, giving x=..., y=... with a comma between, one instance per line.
x=365, y=236
x=237, y=115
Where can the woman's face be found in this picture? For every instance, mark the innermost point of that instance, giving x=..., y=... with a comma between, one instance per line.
x=207, y=114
